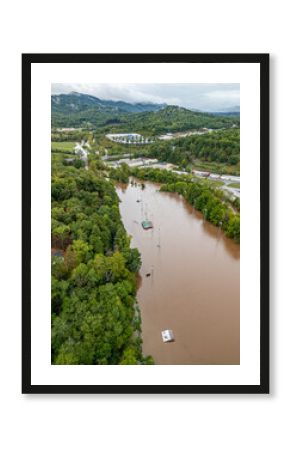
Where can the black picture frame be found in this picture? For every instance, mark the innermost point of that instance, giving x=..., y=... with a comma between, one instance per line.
x=263, y=61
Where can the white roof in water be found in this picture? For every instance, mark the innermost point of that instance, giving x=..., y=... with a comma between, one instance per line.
x=167, y=336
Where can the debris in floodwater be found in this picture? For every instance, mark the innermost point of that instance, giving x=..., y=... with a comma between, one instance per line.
x=147, y=224
x=167, y=336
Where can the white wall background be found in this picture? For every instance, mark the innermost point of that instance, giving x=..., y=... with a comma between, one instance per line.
x=127, y=422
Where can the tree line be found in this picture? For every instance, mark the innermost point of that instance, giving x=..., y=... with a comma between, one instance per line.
x=209, y=202
x=216, y=208
x=95, y=318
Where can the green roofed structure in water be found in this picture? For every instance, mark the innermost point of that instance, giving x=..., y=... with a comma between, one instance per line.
x=146, y=224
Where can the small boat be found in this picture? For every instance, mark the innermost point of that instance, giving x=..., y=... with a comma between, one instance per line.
x=167, y=336
x=138, y=201
x=148, y=274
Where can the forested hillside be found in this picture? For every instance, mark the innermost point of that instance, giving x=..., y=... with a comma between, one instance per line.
x=176, y=118
x=79, y=110
x=94, y=315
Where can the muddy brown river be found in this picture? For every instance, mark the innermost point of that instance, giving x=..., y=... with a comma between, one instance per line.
x=194, y=283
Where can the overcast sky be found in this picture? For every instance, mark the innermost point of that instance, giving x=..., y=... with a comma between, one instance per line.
x=206, y=97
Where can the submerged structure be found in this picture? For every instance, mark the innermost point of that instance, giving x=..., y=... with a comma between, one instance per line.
x=147, y=224
x=167, y=336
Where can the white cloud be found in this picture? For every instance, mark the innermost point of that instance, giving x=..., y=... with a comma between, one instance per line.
x=210, y=97
x=234, y=94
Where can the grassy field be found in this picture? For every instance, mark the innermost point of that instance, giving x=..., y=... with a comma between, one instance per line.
x=216, y=167
x=234, y=185
x=63, y=147
x=216, y=183
x=209, y=182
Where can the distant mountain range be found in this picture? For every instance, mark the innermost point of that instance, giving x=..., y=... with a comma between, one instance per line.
x=226, y=113
x=82, y=110
x=75, y=102
x=232, y=110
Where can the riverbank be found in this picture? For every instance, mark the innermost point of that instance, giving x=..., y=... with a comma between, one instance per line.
x=216, y=206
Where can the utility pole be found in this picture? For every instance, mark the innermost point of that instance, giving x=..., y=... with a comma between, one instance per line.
x=158, y=245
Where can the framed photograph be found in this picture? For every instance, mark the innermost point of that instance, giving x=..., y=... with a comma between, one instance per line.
x=138, y=274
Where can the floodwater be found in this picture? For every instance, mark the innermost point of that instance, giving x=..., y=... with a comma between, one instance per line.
x=194, y=283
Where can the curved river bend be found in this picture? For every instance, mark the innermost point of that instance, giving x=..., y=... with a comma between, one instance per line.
x=194, y=286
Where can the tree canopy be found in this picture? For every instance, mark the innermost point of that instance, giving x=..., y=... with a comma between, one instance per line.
x=95, y=319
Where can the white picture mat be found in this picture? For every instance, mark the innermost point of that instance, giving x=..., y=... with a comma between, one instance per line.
x=248, y=372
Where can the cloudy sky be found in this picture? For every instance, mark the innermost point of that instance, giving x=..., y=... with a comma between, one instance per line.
x=205, y=97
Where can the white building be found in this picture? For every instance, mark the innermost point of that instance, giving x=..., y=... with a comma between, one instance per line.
x=129, y=138
x=124, y=137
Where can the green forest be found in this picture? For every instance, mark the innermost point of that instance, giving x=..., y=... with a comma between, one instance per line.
x=95, y=319
x=222, y=147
